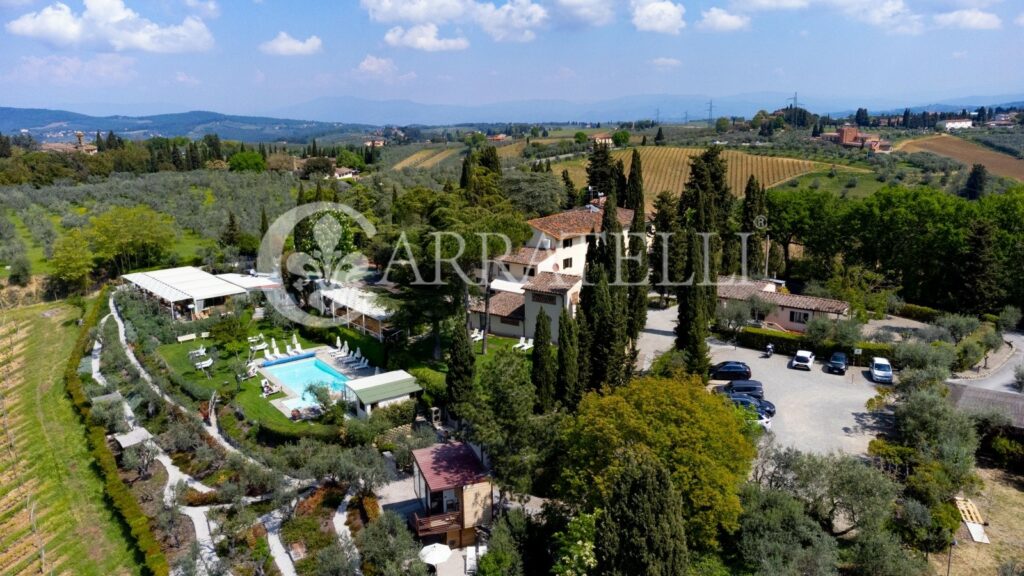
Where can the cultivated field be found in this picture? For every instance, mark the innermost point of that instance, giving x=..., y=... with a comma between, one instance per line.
x=667, y=168
x=53, y=519
x=968, y=153
x=427, y=158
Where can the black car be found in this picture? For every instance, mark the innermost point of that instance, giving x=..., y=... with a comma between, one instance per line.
x=748, y=387
x=730, y=371
x=837, y=364
x=761, y=405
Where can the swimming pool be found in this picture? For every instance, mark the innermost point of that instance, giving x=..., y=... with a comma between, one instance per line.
x=299, y=375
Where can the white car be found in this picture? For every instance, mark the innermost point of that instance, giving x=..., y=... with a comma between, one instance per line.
x=881, y=371
x=803, y=360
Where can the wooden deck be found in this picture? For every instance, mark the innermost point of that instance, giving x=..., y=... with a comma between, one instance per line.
x=437, y=524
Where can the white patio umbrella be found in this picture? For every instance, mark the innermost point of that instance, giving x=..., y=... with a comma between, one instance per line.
x=295, y=339
x=337, y=343
x=273, y=344
x=435, y=554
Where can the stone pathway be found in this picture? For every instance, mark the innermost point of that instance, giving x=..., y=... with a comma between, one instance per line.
x=282, y=560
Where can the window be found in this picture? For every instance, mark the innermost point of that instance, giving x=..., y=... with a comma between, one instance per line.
x=567, y=243
x=531, y=272
x=510, y=321
x=567, y=263
x=798, y=317
x=543, y=298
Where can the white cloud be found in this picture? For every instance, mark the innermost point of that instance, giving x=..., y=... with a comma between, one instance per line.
x=892, y=15
x=184, y=78
x=770, y=4
x=592, y=12
x=514, y=21
x=720, y=20
x=1020, y=20
x=423, y=37
x=660, y=16
x=112, y=23
x=285, y=45
x=666, y=63
x=206, y=8
x=374, y=66
x=72, y=70
x=969, y=19
x=434, y=11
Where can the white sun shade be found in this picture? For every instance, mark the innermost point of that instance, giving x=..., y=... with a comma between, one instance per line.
x=185, y=283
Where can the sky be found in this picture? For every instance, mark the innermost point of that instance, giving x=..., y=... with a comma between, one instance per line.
x=255, y=56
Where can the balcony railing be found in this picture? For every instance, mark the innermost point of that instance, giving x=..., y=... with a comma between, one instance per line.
x=437, y=524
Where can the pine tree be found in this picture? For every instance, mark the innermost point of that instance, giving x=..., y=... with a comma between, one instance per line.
x=567, y=384
x=461, y=367
x=571, y=195
x=642, y=527
x=979, y=271
x=634, y=198
x=755, y=209
x=543, y=369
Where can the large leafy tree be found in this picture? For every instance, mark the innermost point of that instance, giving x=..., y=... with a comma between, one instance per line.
x=777, y=537
x=642, y=527
x=131, y=237
x=388, y=549
x=72, y=260
x=699, y=438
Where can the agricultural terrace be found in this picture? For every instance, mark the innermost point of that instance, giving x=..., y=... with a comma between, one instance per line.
x=428, y=158
x=667, y=168
x=53, y=516
x=966, y=152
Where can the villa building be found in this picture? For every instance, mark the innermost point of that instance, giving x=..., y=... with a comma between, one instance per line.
x=789, y=311
x=454, y=491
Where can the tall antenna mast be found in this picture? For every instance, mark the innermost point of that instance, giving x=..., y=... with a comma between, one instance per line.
x=711, y=112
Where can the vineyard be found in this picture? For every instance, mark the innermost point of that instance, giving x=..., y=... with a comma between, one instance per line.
x=667, y=168
x=969, y=153
x=427, y=158
x=52, y=515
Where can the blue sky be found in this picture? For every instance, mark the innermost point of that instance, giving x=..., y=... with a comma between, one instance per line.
x=246, y=56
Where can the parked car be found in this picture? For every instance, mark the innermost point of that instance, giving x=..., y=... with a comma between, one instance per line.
x=837, y=364
x=748, y=387
x=758, y=404
x=881, y=371
x=756, y=414
x=730, y=370
x=803, y=360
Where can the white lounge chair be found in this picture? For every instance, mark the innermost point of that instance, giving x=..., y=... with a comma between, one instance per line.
x=522, y=343
x=267, y=354
x=529, y=345
x=298, y=348
x=203, y=365
x=477, y=336
x=258, y=347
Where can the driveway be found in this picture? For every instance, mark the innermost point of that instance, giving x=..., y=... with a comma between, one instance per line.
x=1002, y=378
x=815, y=411
x=657, y=336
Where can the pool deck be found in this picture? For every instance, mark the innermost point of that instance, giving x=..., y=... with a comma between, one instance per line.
x=323, y=353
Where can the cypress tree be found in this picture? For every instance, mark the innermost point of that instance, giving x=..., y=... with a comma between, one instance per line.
x=979, y=270
x=100, y=144
x=608, y=345
x=976, y=182
x=692, y=328
x=571, y=195
x=567, y=385
x=466, y=179
x=755, y=207
x=638, y=284
x=621, y=181
x=642, y=528
x=232, y=233
x=489, y=160
x=461, y=367
x=264, y=222
x=584, y=342
x=665, y=208
x=543, y=369
x=659, y=138
x=600, y=173
x=634, y=198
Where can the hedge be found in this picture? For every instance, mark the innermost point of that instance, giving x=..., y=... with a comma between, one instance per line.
x=919, y=313
x=433, y=384
x=788, y=343
x=144, y=544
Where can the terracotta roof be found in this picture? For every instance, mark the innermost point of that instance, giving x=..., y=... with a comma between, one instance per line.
x=743, y=291
x=504, y=304
x=970, y=399
x=445, y=466
x=527, y=255
x=552, y=283
x=577, y=222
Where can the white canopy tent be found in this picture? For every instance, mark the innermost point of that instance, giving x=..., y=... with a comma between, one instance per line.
x=185, y=284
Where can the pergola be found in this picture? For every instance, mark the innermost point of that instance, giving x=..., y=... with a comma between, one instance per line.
x=184, y=285
x=358, y=308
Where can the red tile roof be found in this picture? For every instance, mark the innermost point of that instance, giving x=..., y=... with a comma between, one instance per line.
x=552, y=283
x=446, y=466
x=577, y=222
x=504, y=304
x=527, y=255
x=743, y=291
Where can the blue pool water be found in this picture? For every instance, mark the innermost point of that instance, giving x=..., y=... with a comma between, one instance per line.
x=299, y=375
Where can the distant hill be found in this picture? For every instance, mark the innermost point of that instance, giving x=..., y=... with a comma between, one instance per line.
x=61, y=125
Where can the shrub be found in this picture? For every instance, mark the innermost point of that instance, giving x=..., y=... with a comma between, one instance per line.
x=919, y=313
x=1008, y=453
x=1018, y=377
x=917, y=355
x=21, y=272
x=969, y=354
x=959, y=326
x=433, y=384
x=1009, y=318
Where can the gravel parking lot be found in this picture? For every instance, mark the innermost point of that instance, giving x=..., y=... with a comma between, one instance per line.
x=816, y=411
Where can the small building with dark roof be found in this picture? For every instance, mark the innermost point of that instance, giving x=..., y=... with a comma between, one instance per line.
x=789, y=311
x=455, y=493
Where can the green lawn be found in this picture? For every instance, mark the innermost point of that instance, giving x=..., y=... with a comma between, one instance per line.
x=866, y=183
x=495, y=343
x=188, y=245
x=85, y=537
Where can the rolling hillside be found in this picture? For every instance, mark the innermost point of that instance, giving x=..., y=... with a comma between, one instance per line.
x=667, y=168
x=969, y=153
